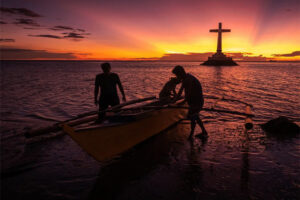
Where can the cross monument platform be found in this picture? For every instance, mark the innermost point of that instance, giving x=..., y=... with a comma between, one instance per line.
x=219, y=59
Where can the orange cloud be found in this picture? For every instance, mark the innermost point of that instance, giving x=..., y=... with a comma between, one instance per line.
x=8, y=53
x=293, y=54
x=203, y=56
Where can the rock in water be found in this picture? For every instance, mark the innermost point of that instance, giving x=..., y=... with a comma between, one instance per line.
x=281, y=126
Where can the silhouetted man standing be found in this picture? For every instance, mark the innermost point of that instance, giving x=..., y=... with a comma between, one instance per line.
x=194, y=97
x=107, y=82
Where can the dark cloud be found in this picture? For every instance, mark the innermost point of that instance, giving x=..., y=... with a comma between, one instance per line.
x=31, y=28
x=245, y=56
x=74, y=35
x=6, y=40
x=20, y=11
x=81, y=34
x=26, y=54
x=27, y=22
x=61, y=28
x=47, y=36
x=68, y=28
x=85, y=54
x=293, y=54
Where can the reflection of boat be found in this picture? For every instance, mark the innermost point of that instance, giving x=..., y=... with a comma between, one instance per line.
x=123, y=130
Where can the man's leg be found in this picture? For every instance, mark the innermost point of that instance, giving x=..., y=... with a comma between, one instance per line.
x=192, y=113
x=193, y=125
x=103, y=105
x=101, y=115
x=200, y=123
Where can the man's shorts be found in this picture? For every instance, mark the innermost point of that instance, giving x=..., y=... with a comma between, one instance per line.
x=106, y=101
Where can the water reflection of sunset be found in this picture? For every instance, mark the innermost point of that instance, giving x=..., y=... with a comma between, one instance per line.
x=261, y=30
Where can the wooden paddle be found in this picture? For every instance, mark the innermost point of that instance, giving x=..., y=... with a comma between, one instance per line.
x=77, y=120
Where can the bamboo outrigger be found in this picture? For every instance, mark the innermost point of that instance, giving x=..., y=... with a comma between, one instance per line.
x=126, y=127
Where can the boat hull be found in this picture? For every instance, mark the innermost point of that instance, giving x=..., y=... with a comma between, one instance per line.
x=104, y=142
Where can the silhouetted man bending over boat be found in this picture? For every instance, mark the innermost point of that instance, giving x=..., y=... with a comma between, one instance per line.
x=194, y=97
x=107, y=82
x=168, y=93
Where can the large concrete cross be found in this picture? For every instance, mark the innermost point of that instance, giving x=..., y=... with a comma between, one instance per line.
x=219, y=31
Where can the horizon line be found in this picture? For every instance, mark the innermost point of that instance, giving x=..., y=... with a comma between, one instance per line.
x=137, y=60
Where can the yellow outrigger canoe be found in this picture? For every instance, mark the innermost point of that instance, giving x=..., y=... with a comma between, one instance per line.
x=106, y=140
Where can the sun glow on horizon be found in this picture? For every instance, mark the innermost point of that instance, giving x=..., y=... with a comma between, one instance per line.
x=149, y=29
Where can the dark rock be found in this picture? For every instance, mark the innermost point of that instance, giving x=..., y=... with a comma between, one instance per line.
x=281, y=126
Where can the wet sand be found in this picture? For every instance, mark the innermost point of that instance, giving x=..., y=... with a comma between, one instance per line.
x=230, y=164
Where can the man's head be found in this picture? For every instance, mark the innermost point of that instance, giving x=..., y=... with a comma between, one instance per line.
x=174, y=80
x=105, y=67
x=179, y=72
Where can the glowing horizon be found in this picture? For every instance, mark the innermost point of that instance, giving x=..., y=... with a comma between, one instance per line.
x=116, y=30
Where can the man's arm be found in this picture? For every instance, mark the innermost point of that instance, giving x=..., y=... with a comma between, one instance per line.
x=121, y=88
x=178, y=94
x=174, y=93
x=96, y=91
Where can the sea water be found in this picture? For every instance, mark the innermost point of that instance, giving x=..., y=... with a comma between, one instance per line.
x=231, y=164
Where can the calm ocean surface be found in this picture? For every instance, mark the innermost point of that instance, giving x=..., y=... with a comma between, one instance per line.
x=231, y=164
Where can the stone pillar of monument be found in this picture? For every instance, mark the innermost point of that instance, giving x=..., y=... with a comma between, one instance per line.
x=219, y=59
x=219, y=48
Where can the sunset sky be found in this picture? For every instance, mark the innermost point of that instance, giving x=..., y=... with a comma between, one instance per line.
x=149, y=29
